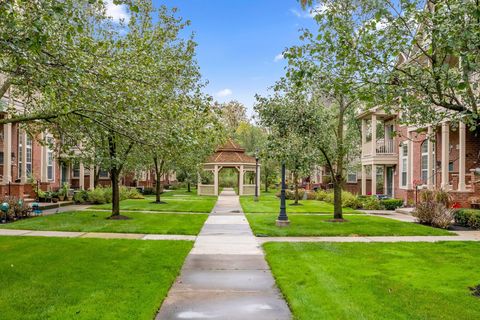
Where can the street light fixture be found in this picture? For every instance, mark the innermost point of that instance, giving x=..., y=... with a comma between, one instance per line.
x=282, y=220
x=256, y=176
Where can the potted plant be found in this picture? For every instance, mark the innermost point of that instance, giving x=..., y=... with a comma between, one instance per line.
x=54, y=196
x=41, y=195
x=61, y=194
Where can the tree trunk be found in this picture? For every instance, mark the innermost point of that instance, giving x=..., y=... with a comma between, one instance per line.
x=266, y=179
x=158, y=175
x=96, y=178
x=114, y=177
x=337, y=175
x=295, y=177
x=188, y=187
x=115, y=192
x=337, y=200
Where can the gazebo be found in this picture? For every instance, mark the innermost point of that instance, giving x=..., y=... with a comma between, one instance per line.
x=230, y=155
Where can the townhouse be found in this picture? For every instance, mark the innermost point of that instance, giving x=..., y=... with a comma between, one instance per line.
x=23, y=160
x=399, y=160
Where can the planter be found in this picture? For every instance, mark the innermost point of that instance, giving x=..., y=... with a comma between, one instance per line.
x=54, y=200
x=61, y=198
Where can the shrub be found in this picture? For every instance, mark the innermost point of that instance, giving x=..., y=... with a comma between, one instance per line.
x=97, y=196
x=468, y=218
x=311, y=195
x=433, y=213
x=290, y=194
x=320, y=195
x=371, y=203
x=80, y=196
x=148, y=191
x=350, y=200
x=329, y=197
x=391, y=204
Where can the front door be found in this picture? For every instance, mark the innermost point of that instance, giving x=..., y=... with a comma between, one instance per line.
x=390, y=181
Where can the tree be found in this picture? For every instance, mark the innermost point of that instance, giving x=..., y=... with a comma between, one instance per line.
x=254, y=139
x=281, y=115
x=421, y=57
x=232, y=114
x=324, y=73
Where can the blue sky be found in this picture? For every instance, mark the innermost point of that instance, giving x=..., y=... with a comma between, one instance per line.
x=238, y=41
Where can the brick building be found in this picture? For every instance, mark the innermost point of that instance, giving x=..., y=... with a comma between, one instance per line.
x=401, y=160
x=22, y=158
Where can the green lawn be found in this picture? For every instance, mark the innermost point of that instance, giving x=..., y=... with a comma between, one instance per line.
x=58, y=278
x=378, y=280
x=95, y=221
x=357, y=225
x=176, y=201
x=269, y=203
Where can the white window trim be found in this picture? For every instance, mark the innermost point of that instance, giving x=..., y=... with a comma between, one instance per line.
x=402, y=157
x=50, y=161
x=29, y=146
x=352, y=173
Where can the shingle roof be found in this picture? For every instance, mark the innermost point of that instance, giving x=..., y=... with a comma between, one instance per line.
x=230, y=152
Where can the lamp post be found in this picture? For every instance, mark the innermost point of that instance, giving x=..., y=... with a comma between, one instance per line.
x=282, y=219
x=256, y=177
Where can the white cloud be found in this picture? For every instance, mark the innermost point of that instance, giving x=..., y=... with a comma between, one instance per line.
x=319, y=9
x=224, y=93
x=116, y=12
x=278, y=57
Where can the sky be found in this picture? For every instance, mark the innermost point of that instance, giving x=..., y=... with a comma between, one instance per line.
x=239, y=42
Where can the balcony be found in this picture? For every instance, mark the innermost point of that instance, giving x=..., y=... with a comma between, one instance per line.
x=383, y=153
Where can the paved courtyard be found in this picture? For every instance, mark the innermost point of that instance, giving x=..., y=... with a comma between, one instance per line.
x=225, y=275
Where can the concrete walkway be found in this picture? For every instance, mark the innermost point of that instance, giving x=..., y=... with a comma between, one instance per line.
x=99, y=235
x=225, y=276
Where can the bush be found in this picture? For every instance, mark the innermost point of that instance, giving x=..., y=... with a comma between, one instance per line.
x=311, y=195
x=434, y=213
x=80, y=196
x=290, y=194
x=350, y=200
x=371, y=203
x=469, y=218
x=321, y=194
x=329, y=197
x=148, y=191
x=97, y=196
x=17, y=209
x=391, y=204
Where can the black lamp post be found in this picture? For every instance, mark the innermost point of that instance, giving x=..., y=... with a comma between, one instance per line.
x=282, y=219
x=256, y=176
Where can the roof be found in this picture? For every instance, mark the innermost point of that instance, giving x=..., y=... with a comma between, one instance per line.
x=230, y=152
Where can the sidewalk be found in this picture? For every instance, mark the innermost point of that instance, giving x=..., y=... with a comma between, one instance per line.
x=225, y=276
x=99, y=235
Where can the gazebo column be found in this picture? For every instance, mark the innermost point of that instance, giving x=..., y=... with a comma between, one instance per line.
x=240, y=182
x=215, y=180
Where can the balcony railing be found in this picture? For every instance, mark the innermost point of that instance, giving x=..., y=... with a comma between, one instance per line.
x=382, y=147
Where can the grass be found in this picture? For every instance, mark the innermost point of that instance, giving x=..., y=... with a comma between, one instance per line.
x=175, y=201
x=95, y=221
x=377, y=280
x=269, y=203
x=357, y=225
x=55, y=278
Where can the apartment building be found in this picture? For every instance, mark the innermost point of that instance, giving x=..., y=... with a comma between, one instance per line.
x=399, y=160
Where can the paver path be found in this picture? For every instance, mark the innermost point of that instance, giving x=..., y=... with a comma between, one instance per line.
x=225, y=276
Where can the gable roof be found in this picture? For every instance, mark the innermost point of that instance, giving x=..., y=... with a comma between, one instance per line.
x=230, y=152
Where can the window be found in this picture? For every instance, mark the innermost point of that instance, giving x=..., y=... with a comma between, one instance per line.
x=28, y=155
x=1, y=157
x=76, y=170
x=352, y=177
x=424, y=161
x=103, y=173
x=404, y=165
x=50, y=162
x=450, y=167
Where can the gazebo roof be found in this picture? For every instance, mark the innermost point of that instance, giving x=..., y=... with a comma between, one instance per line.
x=230, y=152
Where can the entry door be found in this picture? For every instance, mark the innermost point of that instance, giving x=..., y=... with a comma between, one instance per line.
x=390, y=181
x=64, y=172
